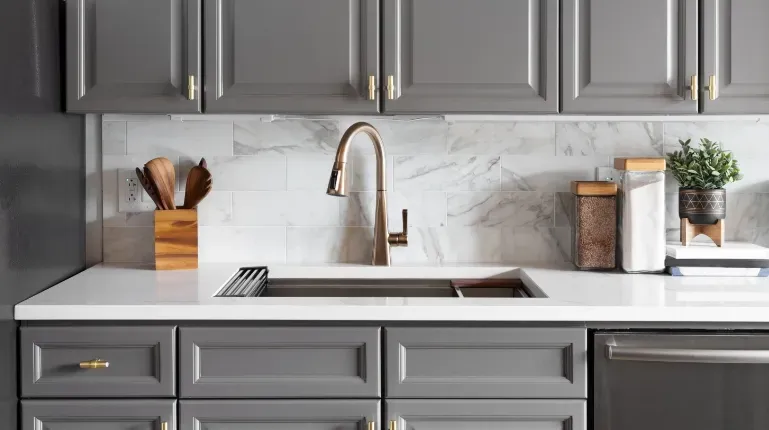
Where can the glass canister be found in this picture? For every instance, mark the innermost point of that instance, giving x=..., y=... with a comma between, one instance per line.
x=594, y=234
x=641, y=220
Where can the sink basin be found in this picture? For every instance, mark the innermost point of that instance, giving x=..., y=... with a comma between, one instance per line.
x=482, y=288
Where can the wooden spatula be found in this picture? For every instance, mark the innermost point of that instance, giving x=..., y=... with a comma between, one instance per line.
x=163, y=175
x=199, y=184
x=149, y=187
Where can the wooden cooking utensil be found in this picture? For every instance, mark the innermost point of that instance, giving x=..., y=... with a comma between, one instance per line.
x=149, y=188
x=199, y=184
x=162, y=173
x=203, y=163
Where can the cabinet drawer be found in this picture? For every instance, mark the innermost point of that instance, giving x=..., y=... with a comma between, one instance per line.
x=141, y=361
x=279, y=414
x=279, y=362
x=487, y=414
x=98, y=414
x=486, y=362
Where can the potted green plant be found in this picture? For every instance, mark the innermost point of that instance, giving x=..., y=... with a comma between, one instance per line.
x=701, y=174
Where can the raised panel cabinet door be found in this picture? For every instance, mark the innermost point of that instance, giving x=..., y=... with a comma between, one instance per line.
x=133, y=56
x=735, y=34
x=481, y=56
x=486, y=414
x=280, y=414
x=292, y=56
x=486, y=362
x=629, y=56
x=98, y=415
x=279, y=362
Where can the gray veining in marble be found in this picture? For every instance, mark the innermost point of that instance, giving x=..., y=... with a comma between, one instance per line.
x=609, y=138
x=286, y=137
x=448, y=173
x=500, y=209
x=498, y=138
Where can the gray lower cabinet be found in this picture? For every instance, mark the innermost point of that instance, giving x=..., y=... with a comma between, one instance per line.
x=487, y=414
x=133, y=56
x=275, y=362
x=734, y=45
x=630, y=56
x=486, y=362
x=292, y=56
x=98, y=415
x=279, y=414
x=482, y=56
x=130, y=361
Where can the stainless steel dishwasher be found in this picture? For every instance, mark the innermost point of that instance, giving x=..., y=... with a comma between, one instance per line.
x=680, y=381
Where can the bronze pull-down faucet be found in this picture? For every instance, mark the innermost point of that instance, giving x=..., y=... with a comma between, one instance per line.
x=337, y=186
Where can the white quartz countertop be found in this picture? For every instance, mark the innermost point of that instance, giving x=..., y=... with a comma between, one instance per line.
x=121, y=292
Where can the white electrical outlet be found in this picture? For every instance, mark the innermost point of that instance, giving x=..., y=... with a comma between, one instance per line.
x=131, y=196
x=606, y=174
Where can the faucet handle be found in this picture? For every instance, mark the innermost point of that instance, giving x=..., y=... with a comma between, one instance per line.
x=401, y=239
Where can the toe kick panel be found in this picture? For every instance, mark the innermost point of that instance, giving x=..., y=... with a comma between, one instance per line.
x=486, y=362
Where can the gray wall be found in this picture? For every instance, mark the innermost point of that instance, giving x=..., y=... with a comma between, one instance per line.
x=477, y=192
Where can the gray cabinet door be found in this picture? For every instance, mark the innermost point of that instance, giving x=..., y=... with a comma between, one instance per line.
x=734, y=53
x=482, y=56
x=136, y=361
x=274, y=362
x=486, y=362
x=279, y=414
x=487, y=414
x=98, y=414
x=133, y=56
x=291, y=56
x=629, y=56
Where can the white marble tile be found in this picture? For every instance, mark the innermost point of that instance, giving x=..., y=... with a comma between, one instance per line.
x=497, y=138
x=298, y=137
x=741, y=137
x=449, y=173
x=113, y=137
x=285, y=208
x=536, y=173
x=250, y=245
x=609, y=138
x=312, y=172
x=215, y=209
x=308, y=245
x=128, y=245
x=500, y=209
x=364, y=173
x=425, y=209
x=402, y=137
x=535, y=245
x=463, y=244
x=239, y=173
x=746, y=211
x=180, y=138
x=564, y=209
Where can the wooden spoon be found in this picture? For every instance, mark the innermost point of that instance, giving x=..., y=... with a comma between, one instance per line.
x=161, y=172
x=149, y=187
x=199, y=184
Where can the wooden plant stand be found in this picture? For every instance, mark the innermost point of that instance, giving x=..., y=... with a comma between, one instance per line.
x=714, y=231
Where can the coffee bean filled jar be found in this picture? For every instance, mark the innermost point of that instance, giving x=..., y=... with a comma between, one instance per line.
x=594, y=234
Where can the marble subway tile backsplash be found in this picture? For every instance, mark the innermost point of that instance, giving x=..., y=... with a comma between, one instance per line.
x=477, y=192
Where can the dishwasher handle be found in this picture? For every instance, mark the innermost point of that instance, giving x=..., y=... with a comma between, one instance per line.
x=681, y=355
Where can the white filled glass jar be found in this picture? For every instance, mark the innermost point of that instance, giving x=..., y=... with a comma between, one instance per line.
x=641, y=214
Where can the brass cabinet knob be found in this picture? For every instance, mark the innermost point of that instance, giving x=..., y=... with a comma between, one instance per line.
x=164, y=426
x=191, y=87
x=712, y=87
x=393, y=425
x=94, y=364
x=391, y=87
x=401, y=239
x=694, y=87
x=372, y=87
x=371, y=425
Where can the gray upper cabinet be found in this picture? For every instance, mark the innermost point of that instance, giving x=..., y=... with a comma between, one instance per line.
x=486, y=362
x=630, y=56
x=292, y=56
x=487, y=414
x=734, y=55
x=275, y=362
x=279, y=415
x=481, y=56
x=133, y=56
x=98, y=415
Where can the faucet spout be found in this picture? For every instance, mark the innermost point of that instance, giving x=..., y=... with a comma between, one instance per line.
x=337, y=186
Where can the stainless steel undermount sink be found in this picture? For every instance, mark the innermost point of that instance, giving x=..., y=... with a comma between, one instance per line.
x=474, y=288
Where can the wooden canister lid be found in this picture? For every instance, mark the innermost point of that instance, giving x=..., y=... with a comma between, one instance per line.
x=640, y=164
x=593, y=188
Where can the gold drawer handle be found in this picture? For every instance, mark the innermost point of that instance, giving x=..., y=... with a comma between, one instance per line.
x=164, y=426
x=694, y=87
x=372, y=87
x=94, y=364
x=391, y=87
x=372, y=425
x=393, y=425
x=191, y=87
x=712, y=89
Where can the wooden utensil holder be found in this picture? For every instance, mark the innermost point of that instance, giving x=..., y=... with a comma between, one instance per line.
x=176, y=239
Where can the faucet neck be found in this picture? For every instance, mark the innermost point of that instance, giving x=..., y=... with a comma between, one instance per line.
x=376, y=139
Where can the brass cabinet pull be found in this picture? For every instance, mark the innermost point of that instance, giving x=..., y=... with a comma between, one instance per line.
x=94, y=364
x=372, y=87
x=393, y=425
x=391, y=87
x=712, y=89
x=164, y=426
x=694, y=87
x=372, y=425
x=191, y=87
